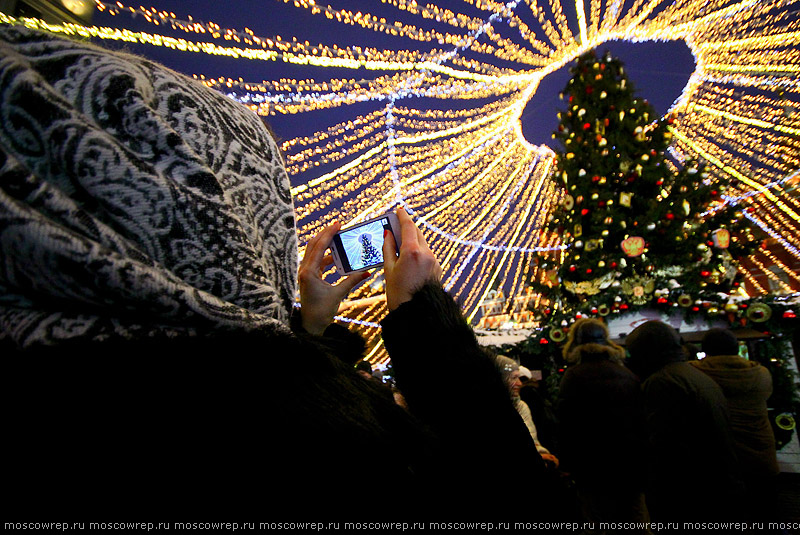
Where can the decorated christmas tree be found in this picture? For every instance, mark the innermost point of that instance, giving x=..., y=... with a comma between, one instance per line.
x=369, y=253
x=643, y=228
x=639, y=229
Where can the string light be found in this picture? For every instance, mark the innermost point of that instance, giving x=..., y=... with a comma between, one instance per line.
x=771, y=275
x=752, y=280
x=478, y=190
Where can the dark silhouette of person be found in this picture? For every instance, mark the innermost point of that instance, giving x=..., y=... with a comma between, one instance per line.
x=693, y=471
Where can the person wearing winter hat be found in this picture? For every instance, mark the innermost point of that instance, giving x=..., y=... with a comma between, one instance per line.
x=525, y=374
x=693, y=472
x=510, y=370
x=599, y=397
x=747, y=385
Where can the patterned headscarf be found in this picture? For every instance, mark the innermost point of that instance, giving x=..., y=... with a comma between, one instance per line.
x=134, y=201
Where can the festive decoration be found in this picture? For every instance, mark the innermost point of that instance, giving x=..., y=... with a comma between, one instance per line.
x=659, y=210
x=590, y=287
x=759, y=313
x=557, y=334
x=479, y=191
x=722, y=238
x=638, y=289
x=633, y=246
x=785, y=421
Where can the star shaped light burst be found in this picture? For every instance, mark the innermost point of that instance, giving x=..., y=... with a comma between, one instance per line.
x=442, y=135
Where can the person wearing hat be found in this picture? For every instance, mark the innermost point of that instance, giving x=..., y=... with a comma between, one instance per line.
x=747, y=385
x=601, y=426
x=525, y=374
x=693, y=471
x=510, y=370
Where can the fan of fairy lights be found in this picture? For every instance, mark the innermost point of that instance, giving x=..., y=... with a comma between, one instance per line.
x=442, y=133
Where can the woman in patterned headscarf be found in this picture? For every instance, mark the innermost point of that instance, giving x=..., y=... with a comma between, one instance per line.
x=149, y=270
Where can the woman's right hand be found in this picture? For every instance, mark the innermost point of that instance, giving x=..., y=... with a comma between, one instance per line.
x=416, y=265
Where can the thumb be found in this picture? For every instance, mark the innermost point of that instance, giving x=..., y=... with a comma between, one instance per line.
x=389, y=251
x=351, y=282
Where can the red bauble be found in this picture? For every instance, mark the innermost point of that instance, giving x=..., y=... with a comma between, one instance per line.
x=670, y=216
x=585, y=211
x=589, y=89
x=586, y=126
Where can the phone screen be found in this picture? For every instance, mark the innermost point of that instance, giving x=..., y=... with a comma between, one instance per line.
x=361, y=247
x=743, y=350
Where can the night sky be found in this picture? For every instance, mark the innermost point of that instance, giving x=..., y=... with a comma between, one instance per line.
x=659, y=71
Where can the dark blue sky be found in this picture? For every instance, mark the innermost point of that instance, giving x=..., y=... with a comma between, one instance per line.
x=659, y=71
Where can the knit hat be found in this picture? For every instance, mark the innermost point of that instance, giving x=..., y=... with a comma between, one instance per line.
x=720, y=342
x=653, y=336
x=525, y=372
x=506, y=365
x=652, y=345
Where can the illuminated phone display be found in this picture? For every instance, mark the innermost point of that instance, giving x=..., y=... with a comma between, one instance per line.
x=361, y=247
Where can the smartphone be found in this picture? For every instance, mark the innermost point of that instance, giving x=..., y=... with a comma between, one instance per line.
x=360, y=247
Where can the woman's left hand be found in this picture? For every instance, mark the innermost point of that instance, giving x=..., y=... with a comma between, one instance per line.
x=319, y=300
x=550, y=457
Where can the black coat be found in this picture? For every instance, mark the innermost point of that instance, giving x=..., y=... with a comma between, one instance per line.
x=693, y=469
x=270, y=427
x=601, y=425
